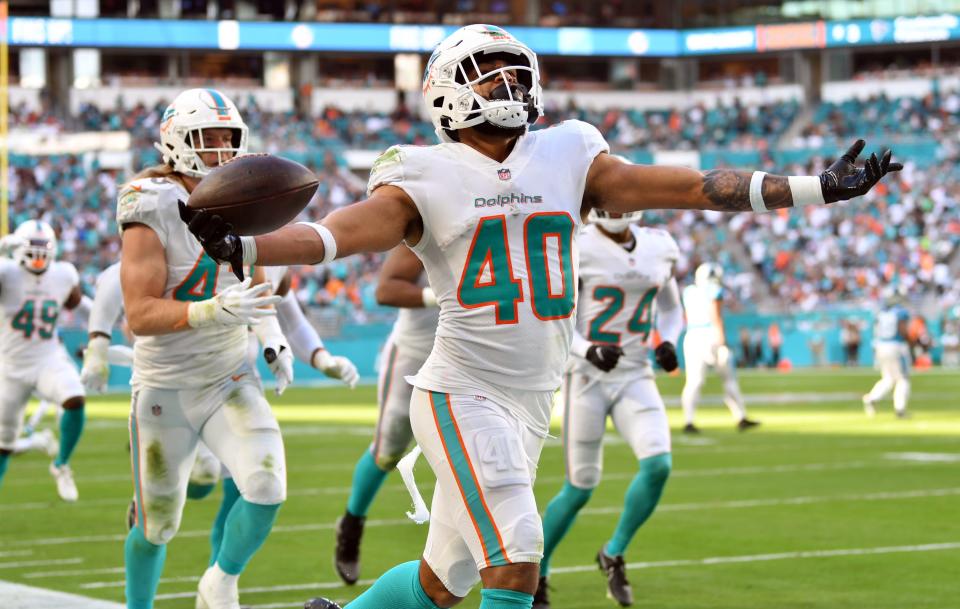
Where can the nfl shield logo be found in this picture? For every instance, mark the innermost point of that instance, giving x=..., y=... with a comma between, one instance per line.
x=503, y=174
x=156, y=410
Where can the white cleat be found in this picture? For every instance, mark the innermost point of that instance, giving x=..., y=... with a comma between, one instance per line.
x=66, y=487
x=868, y=408
x=49, y=442
x=217, y=590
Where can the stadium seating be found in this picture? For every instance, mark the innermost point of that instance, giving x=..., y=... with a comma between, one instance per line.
x=824, y=255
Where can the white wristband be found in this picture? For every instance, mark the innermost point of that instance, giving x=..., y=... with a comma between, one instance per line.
x=329, y=243
x=756, y=192
x=806, y=190
x=429, y=298
x=249, y=250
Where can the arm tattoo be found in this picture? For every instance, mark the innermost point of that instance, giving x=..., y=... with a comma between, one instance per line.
x=729, y=190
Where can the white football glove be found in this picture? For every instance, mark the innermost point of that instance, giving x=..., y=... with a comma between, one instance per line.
x=96, y=367
x=280, y=361
x=723, y=356
x=238, y=305
x=336, y=367
x=9, y=244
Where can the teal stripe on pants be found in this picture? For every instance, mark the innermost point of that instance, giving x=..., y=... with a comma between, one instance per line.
x=463, y=472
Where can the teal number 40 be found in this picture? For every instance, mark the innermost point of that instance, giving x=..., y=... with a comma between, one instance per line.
x=25, y=319
x=488, y=278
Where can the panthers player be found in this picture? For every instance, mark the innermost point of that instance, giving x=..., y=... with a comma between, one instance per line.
x=402, y=283
x=34, y=286
x=705, y=346
x=494, y=212
x=891, y=355
x=191, y=378
x=626, y=281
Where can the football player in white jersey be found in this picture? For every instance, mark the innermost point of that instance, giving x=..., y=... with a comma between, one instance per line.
x=402, y=283
x=34, y=287
x=106, y=309
x=705, y=346
x=626, y=282
x=191, y=377
x=891, y=355
x=494, y=212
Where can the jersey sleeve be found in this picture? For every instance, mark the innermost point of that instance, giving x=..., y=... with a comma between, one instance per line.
x=387, y=169
x=107, y=302
x=70, y=275
x=140, y=203
x=593, y=141
x=713, y=292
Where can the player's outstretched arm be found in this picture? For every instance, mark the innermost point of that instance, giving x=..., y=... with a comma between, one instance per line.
x=621, y=187
x=376, y=224
x=398, y=281
x=143, y=276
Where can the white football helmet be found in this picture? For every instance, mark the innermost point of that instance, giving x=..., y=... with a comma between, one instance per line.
x=37, y=246
x=181, y=130
x=448, y=89
x=611, y=224
x=708, y=273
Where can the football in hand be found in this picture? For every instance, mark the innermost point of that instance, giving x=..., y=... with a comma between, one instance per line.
x=256, y=193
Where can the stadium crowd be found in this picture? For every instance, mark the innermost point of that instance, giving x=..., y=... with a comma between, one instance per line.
x=825, y=255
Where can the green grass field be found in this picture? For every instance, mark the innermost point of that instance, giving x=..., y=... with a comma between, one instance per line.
x=819, y=508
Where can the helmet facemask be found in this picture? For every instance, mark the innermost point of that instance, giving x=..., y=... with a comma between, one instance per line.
x=38, y=246
x=509, y=108
x=609, y=223
x=454, y=72
x=182, y=130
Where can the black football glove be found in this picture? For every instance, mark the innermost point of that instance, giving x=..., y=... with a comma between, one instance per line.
x=666, y=356
x=843, y=180
x=604, y=357
x=215, y=235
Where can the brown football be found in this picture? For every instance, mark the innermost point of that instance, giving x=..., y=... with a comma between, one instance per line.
x=256, y=193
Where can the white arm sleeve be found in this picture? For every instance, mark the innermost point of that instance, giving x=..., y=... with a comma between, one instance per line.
x=670, y=312
x=107, y=302
x=302, y=336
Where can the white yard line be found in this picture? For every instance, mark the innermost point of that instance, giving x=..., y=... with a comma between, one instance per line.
x=121, y=583
x=16, y=553
x=72, y=573
x=18, y=596
x=665, y=507
x=697, y=562
x=40, y=563
x=725, y=560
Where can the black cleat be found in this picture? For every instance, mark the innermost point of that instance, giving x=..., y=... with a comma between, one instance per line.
x=902, y=414
x=618, y=588
x=746, y=424
x=320, y=603
x=131, y=514
x=346, y=558
x=690, y=428
x=541, y=600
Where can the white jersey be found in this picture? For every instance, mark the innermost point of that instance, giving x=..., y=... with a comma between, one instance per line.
x=699, y=302
x=415, y=329
x=188, y=358
x=618, y=290
x=499, y=248
x=107, y=301
x=31, y=304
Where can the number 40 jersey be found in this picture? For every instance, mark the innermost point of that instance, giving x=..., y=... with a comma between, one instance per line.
x=499, y=248
x=31, y=304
